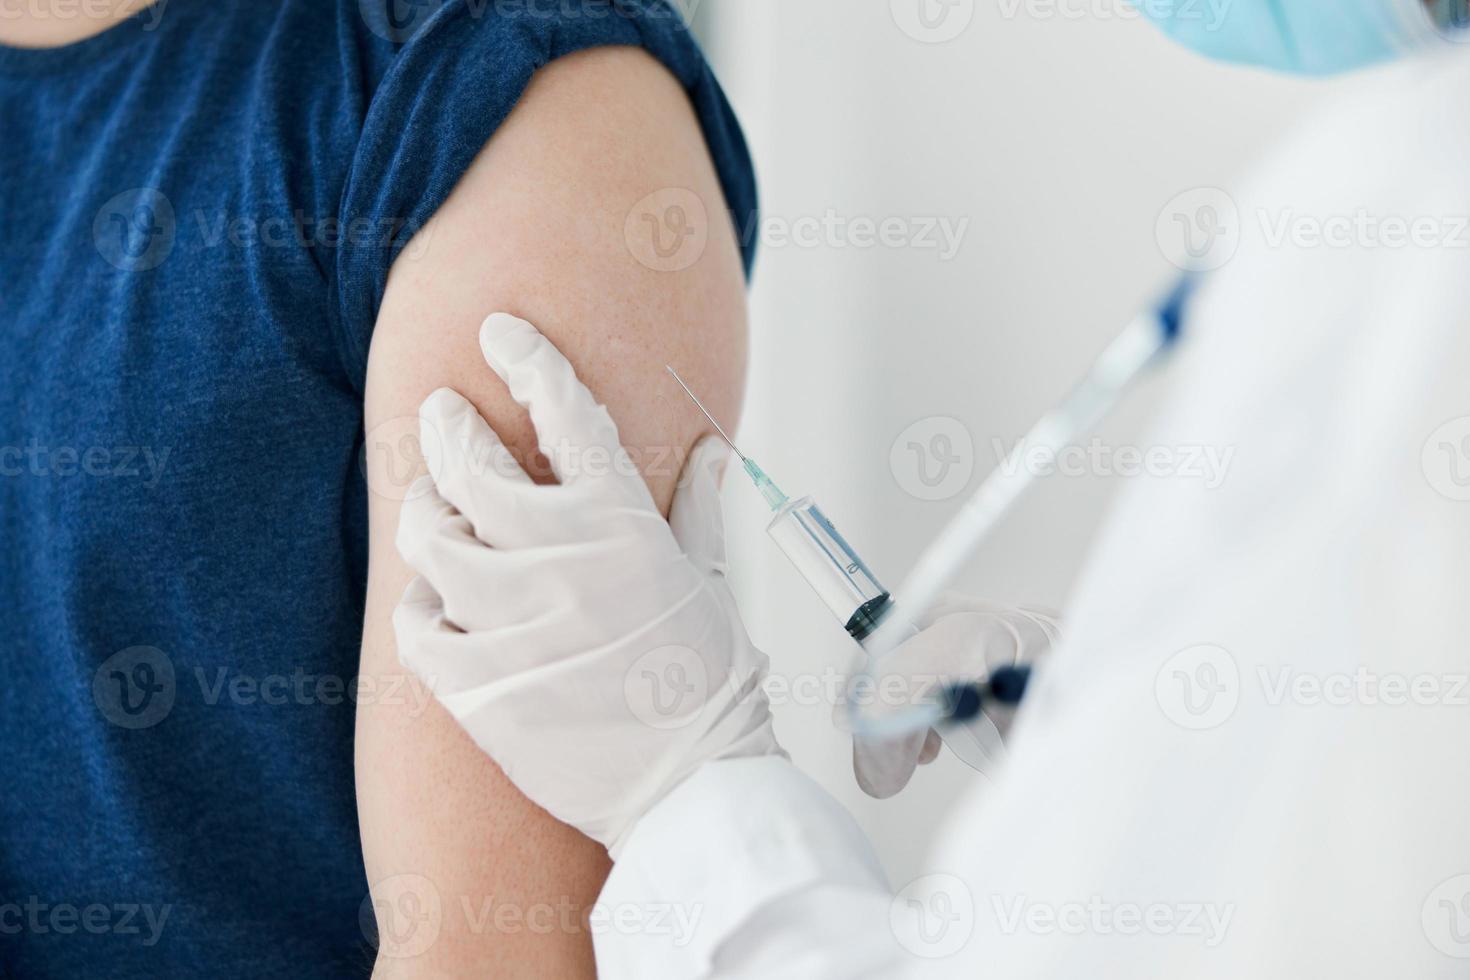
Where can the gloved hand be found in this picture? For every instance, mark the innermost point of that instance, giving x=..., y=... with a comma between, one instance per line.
x=590, y=647
x=960, y=640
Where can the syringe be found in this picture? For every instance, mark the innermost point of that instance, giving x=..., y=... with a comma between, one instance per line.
x=846, y=586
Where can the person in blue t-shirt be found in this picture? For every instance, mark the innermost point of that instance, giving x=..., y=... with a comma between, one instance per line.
x=243, y=240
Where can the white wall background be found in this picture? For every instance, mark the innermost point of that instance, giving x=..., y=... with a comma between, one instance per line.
x=1059, y=129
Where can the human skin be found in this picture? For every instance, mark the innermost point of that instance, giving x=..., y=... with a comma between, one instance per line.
x=535, y=228
x=538, y=227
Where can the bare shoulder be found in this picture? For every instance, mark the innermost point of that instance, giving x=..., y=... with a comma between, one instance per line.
x=595, y=213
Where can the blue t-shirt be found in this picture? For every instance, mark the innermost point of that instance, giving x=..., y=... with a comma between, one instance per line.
x=200, y=207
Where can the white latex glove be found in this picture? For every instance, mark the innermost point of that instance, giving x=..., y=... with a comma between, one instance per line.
x=960, y=640
x=590, y=647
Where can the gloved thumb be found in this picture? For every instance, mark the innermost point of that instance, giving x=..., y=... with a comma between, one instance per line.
x=961, y=642
x=884, y=766
x=696, y=518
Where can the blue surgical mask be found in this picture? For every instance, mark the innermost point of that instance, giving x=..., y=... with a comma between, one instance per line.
x=1307, y=37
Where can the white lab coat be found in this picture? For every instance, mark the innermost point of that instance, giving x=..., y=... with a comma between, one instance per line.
x=1251, y=757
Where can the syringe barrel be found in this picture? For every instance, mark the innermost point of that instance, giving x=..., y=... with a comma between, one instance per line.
x=848, y=587
x=823, y=557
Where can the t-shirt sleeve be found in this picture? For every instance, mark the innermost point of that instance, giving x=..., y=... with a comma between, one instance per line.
x=448, y=89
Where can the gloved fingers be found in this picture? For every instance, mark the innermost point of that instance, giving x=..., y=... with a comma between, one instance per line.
x=448, y=660
x=951, y=602
x=593, y=590
x=952, y=649
x=1046, y=622
x=573, y=431
x=480, y=478
x=475, y=472
x=856, y=661
x=966, y=642
x=695, y=516
x=421, y=595
x=932, y=744
x=438, y=543
x=419, y=614
x=1037, y=625
x=481, y=588
x=884, y=766
x=494, y=590
x=958, y=646
x=1001, y=717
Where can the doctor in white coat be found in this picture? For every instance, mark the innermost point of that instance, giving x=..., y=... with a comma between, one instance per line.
x=1250, y=756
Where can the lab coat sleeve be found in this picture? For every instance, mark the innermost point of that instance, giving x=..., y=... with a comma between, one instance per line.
x=747, y=869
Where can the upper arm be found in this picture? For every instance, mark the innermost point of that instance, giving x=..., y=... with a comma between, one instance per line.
x=537, y=227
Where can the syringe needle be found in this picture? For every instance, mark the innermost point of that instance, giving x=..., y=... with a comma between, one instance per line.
x=694, y=398
x=775, y=499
